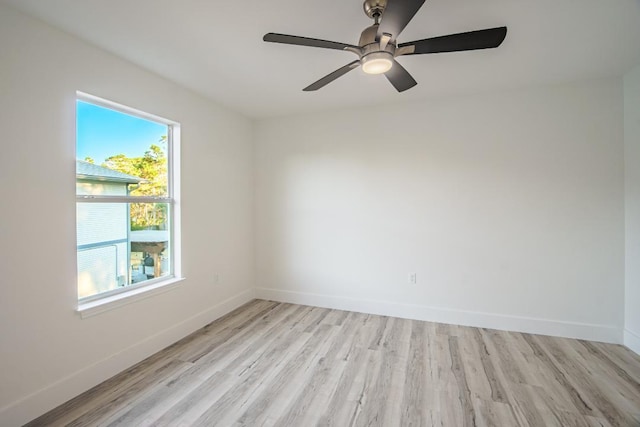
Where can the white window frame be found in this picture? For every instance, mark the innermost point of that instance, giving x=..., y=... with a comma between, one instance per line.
x=98, y=303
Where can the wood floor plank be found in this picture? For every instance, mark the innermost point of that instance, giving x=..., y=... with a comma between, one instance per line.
x=418, y=403
x=511, y=362
x=607, y=408
x=277, y=364
x=346, y=401
x=464, y=393
x=497, y=390
x=276, y=394
x=613, y=370
x=444, y=378
x=490, y=413
x=326, y=374
x=477, y=379
x=386, y=385
x=581, y=403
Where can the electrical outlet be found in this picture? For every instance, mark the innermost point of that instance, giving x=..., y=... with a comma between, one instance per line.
x=413, y=278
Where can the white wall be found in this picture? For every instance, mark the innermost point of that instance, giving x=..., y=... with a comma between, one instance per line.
x=632, y=208
x=48, y=353
x=509, y=207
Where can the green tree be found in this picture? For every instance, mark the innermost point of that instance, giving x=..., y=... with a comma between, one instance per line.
x=152, y=168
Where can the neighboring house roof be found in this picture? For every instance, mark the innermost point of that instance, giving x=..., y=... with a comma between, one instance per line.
x=86, y=170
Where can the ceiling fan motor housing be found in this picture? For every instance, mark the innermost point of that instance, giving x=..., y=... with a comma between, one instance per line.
x=368, y=42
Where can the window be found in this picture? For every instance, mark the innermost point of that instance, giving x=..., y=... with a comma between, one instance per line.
x=125, y=198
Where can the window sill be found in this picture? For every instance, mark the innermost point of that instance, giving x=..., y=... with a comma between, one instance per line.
x=92, y=308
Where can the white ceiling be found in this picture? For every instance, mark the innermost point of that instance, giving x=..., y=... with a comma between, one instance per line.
x=216, y=48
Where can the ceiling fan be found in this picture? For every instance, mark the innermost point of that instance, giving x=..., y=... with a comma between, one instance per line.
x=377, y=48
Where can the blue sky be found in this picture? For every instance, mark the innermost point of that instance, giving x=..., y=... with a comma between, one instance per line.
x=101, y=133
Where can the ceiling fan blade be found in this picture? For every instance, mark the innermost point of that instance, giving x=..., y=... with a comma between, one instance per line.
x=397, y=15
x=472, y=40
x=400, y=78
x=305, y=41
x=331, y=77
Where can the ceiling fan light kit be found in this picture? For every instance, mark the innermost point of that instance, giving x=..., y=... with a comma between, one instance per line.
x=377, y=47
x=377, y=62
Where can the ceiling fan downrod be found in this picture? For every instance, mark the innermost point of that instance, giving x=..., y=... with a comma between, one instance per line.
x=374, y=9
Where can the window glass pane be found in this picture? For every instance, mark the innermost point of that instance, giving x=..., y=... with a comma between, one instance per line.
x=150, y=241
x=121, y=244
x=103, y=247
x=98, y=269
x=121, y=153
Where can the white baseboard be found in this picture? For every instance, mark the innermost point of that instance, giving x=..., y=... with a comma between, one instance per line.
x=43, y=400
x=603, y=333
x=632, y=341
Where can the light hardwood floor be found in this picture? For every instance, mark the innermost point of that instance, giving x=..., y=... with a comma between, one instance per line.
x=270, y=363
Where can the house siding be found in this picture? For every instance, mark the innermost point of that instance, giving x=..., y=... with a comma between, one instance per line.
x=102, y=232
